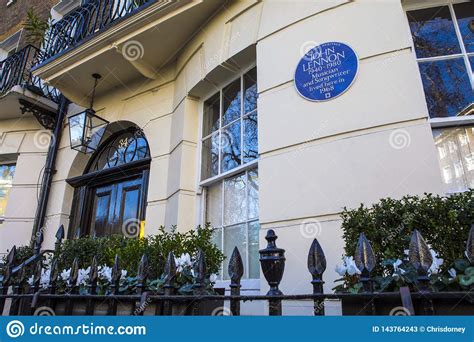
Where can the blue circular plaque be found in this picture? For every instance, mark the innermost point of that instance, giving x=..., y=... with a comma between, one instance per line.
x=326, y=71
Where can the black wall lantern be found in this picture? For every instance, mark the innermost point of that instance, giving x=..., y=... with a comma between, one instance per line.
x=86, y=128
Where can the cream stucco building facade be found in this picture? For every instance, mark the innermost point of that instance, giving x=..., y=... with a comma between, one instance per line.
x=314, y=158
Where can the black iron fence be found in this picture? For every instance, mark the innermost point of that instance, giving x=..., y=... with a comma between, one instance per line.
x=27, y=299
x=85, y=21
x=16, y=70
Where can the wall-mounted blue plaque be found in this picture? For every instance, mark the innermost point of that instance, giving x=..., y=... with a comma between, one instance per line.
x=326, y=71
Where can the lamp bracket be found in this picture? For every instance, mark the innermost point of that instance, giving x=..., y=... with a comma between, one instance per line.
x=45, y=117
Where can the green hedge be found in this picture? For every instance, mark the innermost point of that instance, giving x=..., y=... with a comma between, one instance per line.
x=130, y=251
x=443, y=221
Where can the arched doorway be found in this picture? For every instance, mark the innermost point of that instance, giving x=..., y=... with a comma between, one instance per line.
x=110, y=197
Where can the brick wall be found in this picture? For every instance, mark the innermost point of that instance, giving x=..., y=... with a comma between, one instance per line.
x=13, y=16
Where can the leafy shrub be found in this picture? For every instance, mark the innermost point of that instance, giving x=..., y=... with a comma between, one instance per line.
x=444, y=223
x=156, y=247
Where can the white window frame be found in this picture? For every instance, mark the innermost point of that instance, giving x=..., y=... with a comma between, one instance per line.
x=203, y=184
x=417, y=5
x=2, y=163
x=245, y=222
x=10, y=44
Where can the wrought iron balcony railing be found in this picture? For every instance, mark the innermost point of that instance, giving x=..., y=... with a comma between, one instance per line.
x=85, y=21
x=16, y=70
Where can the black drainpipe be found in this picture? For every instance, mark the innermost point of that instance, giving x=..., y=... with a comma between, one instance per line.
x=49, y=169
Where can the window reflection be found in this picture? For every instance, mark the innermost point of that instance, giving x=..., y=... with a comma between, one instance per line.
x=433, y=32
x=455, y=151
x=235, y=236
x=465, y=16
x=211, y=115
x=447, y=87
x=232, y=209
x=230, y=140
x=210, y=156
x=250, y=137
x=230, y=147
x=6, y=179
x=230, y=133
x=253, y=194
x=231, y=102
x=214, y=205
x=120, y=149
x=235, y=199
x=250, y=86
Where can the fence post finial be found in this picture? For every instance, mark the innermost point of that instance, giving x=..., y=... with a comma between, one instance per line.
x=53, y=275
x=272, y=261
x=116, y=272
x=143, y=269
x=170, y=269
x=420, y=257
x=37, y=275
x=39, y=241
x=59, y=239
x=169, y=275
x=93, y=274
x=200, y=267
x=365, y=261
x=236, y=267
x=236, y=271
x=74, y=273
x=317, y=266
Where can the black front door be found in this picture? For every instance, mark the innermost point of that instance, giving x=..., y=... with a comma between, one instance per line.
x=110, y=197
x=117, y=207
